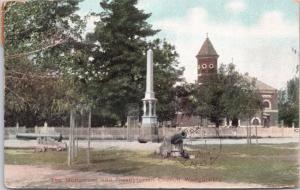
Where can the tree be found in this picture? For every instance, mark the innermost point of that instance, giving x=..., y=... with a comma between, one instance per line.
x=288, y=103
x=120, y=61
x=166, y=75
x=41, y=39
x=186, y=100
x=51, y=68
x=227, y=95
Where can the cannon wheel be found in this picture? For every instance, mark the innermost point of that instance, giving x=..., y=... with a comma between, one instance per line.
x=142, y=140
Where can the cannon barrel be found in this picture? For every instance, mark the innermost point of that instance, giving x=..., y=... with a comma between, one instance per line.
x=57, y=137
x=178, y=138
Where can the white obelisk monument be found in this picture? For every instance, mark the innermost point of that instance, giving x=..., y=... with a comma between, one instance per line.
x=149, y=118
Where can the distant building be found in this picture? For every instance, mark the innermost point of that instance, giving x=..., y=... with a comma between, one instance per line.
x=269, y=116
x=207, y=62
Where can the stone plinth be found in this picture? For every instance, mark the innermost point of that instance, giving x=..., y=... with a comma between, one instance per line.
x=149, y=131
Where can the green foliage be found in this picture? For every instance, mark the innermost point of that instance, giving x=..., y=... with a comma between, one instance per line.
x=120, y=60
x=51, y=68
x=186, y=98
x=227, y=94
x=166, y=75
x=288, y=103
x=41, y=37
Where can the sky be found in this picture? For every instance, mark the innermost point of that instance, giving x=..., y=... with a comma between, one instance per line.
x=258, y=35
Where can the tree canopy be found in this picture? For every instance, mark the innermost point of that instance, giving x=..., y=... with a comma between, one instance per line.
x=40, y=40
x=120, y=58
x=288, y=103
x=228, y=95
x=51, y=67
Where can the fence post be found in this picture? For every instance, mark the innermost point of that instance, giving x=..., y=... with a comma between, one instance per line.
x=111, y=133
x=102, y=132
x=75, y=138
x=248, y=132
x=89, y=136
x=250, y=128
x=70, y=157
x=256, y=134
x=17, y=128
x=127, y=132
x=123, y=131
x=164, y=129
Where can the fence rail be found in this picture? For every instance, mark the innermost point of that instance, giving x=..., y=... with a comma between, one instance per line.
x=114, y=133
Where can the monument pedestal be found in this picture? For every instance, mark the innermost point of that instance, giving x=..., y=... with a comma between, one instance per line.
x=149, y=130
x=149, y=121
x=148, y=134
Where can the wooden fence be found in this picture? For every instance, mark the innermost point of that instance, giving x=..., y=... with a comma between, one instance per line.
x=114, y=133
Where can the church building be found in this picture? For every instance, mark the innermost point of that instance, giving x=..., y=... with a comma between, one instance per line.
x=207, y=62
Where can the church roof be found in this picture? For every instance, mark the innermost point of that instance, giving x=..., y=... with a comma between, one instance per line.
x=207, y=49
x=261, y=86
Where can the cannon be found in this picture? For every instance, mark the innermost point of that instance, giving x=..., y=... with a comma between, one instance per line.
x=45, y=141
x=29, y=136
x=178, y=138
x=172, y=146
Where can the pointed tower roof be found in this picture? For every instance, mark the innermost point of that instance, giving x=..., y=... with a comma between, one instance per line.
x=207, y=49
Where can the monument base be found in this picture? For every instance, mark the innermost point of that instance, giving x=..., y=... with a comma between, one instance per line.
x=149, y=121
x=148, y=134
x=149, y=130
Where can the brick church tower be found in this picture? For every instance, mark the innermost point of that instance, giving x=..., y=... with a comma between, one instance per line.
x=207, y=59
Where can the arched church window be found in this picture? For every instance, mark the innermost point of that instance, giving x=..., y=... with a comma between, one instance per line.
x=211, y=66
x=267, y=104
x=204, y=66
x=255, y=121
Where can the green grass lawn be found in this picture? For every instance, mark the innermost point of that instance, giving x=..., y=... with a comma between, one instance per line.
x=273, y=165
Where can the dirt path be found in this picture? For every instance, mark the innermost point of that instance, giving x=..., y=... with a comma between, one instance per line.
x=26, y=176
